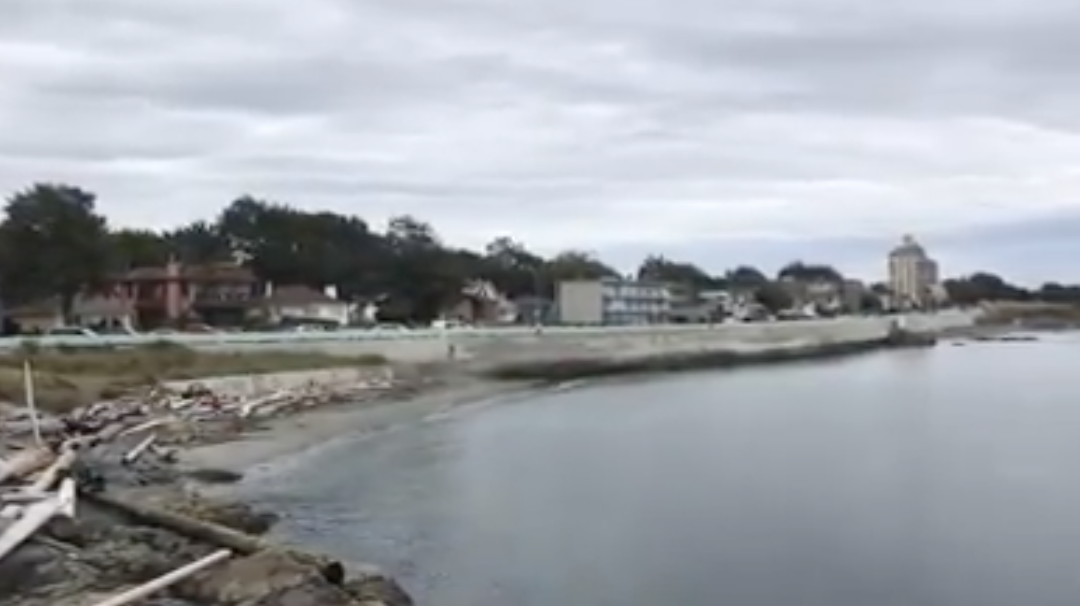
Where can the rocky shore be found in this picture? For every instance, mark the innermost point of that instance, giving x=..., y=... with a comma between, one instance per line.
x=140, y=517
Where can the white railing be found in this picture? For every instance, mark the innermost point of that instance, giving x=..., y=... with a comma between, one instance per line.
x=256, y=338
x=374, y=335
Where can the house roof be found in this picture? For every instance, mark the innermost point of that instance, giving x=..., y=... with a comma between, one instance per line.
x=144, y=273
x=44, y=307
x=83, y=305
x=218, y=271
x=98, y=305
x=211, y=272
x=299, y=294
x=908, y=248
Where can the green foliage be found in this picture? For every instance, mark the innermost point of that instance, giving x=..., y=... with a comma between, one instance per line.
x=52, y=244
x=806, y=272
x=980, y=287
x=745, y=276
x=870, y=303
x=774, y=297
x=686, y=275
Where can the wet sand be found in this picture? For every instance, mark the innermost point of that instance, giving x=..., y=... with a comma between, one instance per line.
x=291, y=436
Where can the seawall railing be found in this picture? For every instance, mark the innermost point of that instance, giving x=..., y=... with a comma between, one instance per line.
x=915, y=321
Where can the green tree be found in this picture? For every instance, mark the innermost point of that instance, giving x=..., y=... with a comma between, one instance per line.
x=53, y=243
x=132, y=248
x=688, y=275
x=983, y=286
x=514, y=270
x=270, y=236
x=407, y=233
x=1053, y=292
x=425, y=277
x=774, y=297
x=200, y=242
x=746, y=276
x=806, y=272
x=577, y=265
x=870, y=303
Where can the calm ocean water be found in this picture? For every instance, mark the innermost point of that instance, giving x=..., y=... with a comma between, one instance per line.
x=943, y=477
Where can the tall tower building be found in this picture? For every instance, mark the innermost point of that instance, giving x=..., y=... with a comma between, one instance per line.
x=912, y=273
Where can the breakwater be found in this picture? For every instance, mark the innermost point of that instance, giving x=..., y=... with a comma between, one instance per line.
x=569, y=368
x=717, y=346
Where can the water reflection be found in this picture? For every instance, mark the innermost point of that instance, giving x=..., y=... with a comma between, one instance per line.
x=943, y=477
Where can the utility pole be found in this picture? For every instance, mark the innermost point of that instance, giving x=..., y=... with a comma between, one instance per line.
x=540, y=300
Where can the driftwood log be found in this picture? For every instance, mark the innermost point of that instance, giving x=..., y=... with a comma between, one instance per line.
x=54, y=472
x=164, y=581
x=133, y=455
x=25, y=463
x=216, y=534
x=35, y=515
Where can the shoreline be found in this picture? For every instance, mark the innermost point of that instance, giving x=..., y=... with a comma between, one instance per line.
x=291, y=436
x=287, y=437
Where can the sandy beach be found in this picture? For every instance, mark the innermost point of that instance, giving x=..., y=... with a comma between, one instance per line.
x=284, y=438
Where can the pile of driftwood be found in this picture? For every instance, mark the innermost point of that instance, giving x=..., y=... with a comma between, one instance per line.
x=184, y=415
x=37, y=485
x=48, y=464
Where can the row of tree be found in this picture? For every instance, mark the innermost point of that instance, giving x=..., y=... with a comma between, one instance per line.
x=983, y=286
x=54, y=242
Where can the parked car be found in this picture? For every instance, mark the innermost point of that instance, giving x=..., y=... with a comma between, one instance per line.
x=449, y=324
x=71, y=331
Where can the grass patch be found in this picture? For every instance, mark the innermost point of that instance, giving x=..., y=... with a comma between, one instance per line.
x=68, y=377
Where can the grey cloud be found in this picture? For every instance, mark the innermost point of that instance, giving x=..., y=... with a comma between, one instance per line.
x=888, y=59
x=637, y=124
x=1032, y=251
x=272, y=85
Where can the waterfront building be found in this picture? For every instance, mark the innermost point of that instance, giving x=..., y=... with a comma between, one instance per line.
x=913, y=274
x=615, y=301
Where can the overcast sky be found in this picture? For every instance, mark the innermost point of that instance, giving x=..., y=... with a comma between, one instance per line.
x=721, y=131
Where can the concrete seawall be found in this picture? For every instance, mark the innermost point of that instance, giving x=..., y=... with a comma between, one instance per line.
x=723, y=337
x=545, y=344
x=647, y=348
x=569, y=368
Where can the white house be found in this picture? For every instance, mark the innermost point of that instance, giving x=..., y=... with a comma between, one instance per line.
x=300, y=303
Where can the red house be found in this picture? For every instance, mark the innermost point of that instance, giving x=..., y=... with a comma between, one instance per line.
x=218, y=294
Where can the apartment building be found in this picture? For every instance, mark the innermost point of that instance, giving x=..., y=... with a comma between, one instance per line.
x=912, y=274
x=613, y=301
